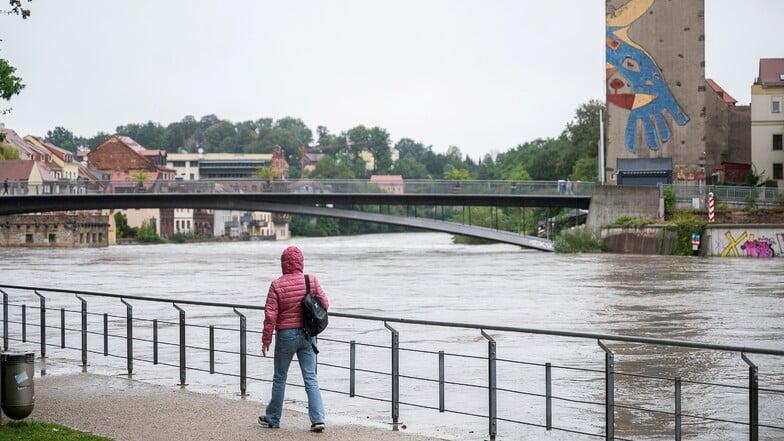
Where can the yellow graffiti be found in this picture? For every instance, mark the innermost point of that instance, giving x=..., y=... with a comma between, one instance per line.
x=730, y=249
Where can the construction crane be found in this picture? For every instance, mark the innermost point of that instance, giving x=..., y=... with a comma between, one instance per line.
x=304, y=150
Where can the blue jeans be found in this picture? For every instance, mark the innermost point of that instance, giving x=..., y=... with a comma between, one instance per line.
x=287, y=343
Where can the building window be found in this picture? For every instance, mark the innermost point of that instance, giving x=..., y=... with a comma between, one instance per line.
x=52, y=238
x=28, y=238
x=777, y=142
x=778, y=172
x=776, y=105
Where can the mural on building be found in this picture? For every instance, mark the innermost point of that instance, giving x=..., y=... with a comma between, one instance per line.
x=635, y=81
x=747, y=245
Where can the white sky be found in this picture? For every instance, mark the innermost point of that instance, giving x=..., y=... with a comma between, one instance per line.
x=484, y=76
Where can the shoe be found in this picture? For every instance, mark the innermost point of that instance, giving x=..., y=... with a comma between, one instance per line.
x=264, y=422
x=317, y=427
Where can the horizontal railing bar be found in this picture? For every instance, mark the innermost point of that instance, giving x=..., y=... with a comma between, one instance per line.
x=557, y=333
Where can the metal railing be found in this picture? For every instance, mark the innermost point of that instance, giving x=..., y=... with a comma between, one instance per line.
x=732, y=195
x=602, y=395
x=258, y=185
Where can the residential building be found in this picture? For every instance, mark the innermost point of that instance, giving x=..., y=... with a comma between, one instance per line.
x=195, y=166
x=132, y=168
x=767, y=120
x=389, y=183
x=232, y=172
x=26, y=177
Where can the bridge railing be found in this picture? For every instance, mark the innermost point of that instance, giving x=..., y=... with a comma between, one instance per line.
x=256, y=185
x=602, y=386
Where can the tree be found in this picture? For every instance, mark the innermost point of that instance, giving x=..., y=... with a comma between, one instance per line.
x=61, y=138
x=409, y=168
x=121, y=223
x=583, y=131
x=7, y=152
x=150, y=135
x=11, y=84
x=329, y=168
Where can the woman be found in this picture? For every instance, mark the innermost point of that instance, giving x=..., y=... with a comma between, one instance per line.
x=283, y=314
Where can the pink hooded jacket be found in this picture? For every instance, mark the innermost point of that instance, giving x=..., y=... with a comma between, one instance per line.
x=283, y=309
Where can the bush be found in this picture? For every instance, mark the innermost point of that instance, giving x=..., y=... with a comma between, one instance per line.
x=669, y=200
x=578, y=240
x=684, y=224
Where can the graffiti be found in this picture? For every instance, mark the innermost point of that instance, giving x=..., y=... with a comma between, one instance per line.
x=747, y=245
x=731, y=250
x=757, y=248
x=635, y=81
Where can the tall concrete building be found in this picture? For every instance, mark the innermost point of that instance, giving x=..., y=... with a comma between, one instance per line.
x=661, y=110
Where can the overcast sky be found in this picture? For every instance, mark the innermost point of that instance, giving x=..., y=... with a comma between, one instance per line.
x=484, y=76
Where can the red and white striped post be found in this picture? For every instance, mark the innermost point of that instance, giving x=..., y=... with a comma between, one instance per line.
x=711, y=208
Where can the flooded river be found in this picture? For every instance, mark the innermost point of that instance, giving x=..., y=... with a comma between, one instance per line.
x=425, y=276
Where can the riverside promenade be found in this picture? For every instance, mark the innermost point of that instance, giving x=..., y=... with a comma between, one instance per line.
x=126, y=410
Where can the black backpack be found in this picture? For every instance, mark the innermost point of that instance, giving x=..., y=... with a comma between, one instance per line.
x=314, y=316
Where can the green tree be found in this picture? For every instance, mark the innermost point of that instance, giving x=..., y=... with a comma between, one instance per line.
x=148, y=232
x=457, y=174
x=150, y=135
x=298, y=129
x=62, y=138
x=266, y=172
x=11, y=84
x=329, y=168
x=409, y=168
x=7, y=152
x=123, y=229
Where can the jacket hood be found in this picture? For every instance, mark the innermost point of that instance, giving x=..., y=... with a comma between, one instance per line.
x=292, y=260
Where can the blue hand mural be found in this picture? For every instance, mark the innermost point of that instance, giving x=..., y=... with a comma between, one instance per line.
x=630, y=66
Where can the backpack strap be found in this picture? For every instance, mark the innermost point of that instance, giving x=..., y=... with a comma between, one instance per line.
x=307, y=291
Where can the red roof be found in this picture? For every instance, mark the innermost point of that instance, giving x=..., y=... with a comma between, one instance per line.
x=721, y=92
x=771, y=72
x=16, y=170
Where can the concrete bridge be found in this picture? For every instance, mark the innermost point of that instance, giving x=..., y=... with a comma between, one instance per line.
x=316, y=198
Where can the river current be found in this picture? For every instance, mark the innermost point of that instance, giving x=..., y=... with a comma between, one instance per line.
x=731, y=301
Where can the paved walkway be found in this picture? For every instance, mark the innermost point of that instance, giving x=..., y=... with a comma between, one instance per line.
x=128, y=410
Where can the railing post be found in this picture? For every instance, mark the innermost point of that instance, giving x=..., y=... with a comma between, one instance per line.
x=678, y=401
x=243, y=353
x=609, y=378
x=395, y=376
x=62, y=328
x=5, y=321
x=182, y=344
x=105, y=334
x=43, y=324
x=84, y=330
x=24, y=323
x=753, y=399
x=441, y=372
x=491, y=386
x=548, y=393
x=154, y=341
x=352, y=369
x=212, y=349
x=129, y=335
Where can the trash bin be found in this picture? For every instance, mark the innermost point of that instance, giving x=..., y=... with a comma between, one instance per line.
x=17, y=396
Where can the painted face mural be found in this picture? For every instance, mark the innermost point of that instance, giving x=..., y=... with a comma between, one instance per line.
x=635, y=82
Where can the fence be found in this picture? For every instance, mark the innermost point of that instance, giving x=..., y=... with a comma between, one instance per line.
x=610, y=387
x=731, y=195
